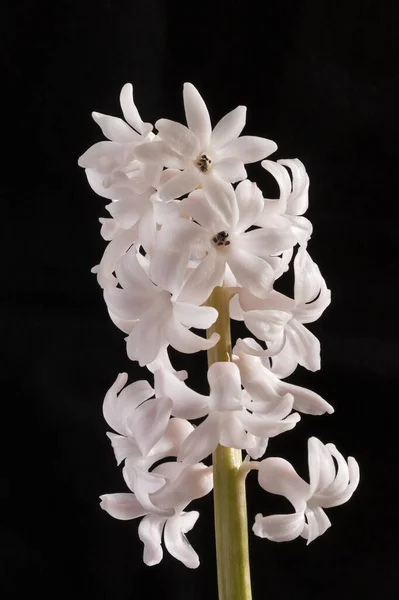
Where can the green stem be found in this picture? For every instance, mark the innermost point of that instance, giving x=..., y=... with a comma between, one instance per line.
x=231, y=528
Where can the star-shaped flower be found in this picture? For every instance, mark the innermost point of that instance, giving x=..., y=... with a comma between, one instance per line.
x=200, y=152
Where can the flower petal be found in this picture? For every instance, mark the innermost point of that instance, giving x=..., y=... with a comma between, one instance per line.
x=115, y=249
x=184, y=340
x=203, y=280
x=308, y=279
x=201, y=442
x=187, y=403
x=229, y=127
x=305, y=345
x=251, y=272
x=298, y=201
x=149, y=422
x=321, y=466
x=158, y=151
x=222, y=200
x=248, y=148
x=130, y=112
x=230, y=169
x=279, y=528
x=190, y=315
x=266, y=325
x=197, y=114
x=225, y=385
x=150, y=533
x=122, y=446
x=278, y=476
x=180, y=184
x=250, y=204
x=318, y=523
x=122, y=506
x=179, y=138
x=264, y=242
x=176, y=542
x=115, y=129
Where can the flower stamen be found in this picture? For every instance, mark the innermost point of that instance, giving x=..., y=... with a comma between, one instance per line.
x=220, y=239
x=203, y=163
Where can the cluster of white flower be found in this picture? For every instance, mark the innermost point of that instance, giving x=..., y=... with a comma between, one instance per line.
x=179, y=227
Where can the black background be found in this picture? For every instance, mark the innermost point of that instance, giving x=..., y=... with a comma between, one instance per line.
x=319, y=78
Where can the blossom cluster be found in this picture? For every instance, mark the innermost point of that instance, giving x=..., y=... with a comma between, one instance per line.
x=185, y=219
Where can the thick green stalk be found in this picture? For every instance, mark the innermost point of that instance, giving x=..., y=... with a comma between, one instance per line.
x=231, y=529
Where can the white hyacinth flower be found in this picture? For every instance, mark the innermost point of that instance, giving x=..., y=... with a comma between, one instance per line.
x=217, y=230
x=328, y=486
x=146, y=433
x=261, y=382
x=293, y=201
x=233, y=418
x=280, y=321
x=183, y=484
x=201, y=153
x=156, y=319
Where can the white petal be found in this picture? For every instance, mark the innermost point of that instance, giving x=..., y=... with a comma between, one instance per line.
x=115, y=129
x=298, y=201
x=201, y=442
x=251, y=272
x=308, y=279
x=127, y=211
x=264, y=427
x=132, y=275
x=115, y=249
x=304, y=344
x=176, y=542
x=279, y=528
x=150, y=533
x=278, y=476
x=198, y=208
x=180, y=184
x=149, y=422
x=124, y=304
x=197, y=114
x=130, y=112
x=158, y=151
x=201, y=317
x=250, y=204
x=122, y=506
x=109, y=228
x=150, y=329
x=280, y=174
x=306, y=401
x=264, y=242
x=232, y=431
x=354, y=476
x=230, y=169
x=110, y=412
x=203, y=280
x=102, y=156
x=318, y=523
x=122, y=446
x=225, y=385
x=248, y=148
x=169, y=445
x=186, y=483
x=187, y=403
x=179, y=138
x=266, y=325
x=321, y=466
x=168, y=268
x=184, y=340
x=285, y=362
x=222, y=199
x=229, y=127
